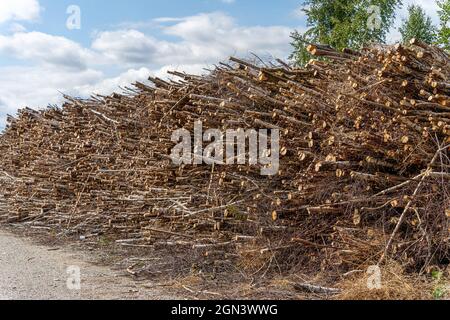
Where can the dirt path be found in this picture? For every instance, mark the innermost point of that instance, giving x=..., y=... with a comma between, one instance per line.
x=31, y=272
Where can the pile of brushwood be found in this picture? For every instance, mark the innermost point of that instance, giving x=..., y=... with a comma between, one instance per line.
x=364, y=170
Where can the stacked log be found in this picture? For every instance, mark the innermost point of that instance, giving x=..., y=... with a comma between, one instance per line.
x=364, y=168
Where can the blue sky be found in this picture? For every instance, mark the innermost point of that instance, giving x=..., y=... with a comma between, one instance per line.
x=123, y=41
x=107, y=14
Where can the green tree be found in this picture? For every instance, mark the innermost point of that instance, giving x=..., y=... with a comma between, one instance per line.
x=344, y=24
x=444, y=31
x=418, y=26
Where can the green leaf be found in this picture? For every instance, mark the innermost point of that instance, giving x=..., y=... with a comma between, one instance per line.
x=343, y=24
x=436, y=275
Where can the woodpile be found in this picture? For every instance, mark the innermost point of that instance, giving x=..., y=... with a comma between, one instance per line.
x=364, y=169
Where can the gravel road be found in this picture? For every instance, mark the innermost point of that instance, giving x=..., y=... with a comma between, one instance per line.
x=34, y=272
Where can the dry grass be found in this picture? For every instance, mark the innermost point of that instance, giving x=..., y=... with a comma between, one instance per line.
x=395, y=285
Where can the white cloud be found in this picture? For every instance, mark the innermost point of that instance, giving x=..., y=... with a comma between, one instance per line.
x=17, y=28
x=41, y=85
x=213, y=36
x=19, y=10
x=126, y=46
x=202, y=27
x=109, y=85
x=62, y=65
x=300, y=13
x=203, y=38
x=199, y=68
x=42, y=47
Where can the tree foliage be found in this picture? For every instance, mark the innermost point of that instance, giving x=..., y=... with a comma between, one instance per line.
x=418, y=26
x=444, y=31
x=344, y=24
